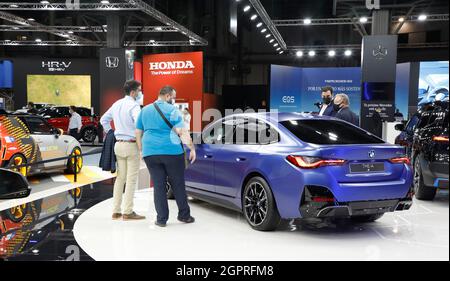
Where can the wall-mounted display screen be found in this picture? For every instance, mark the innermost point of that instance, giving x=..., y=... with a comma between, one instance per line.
x=433, y=81
x=60, y=89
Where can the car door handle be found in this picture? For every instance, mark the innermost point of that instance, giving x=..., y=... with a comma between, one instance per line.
x=241, y=159
x=208, y=156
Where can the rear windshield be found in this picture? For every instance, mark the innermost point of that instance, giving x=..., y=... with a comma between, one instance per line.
x=327, y=132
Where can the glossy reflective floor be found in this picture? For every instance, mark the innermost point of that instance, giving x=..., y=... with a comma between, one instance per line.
x=42, y=229
x=421, y=233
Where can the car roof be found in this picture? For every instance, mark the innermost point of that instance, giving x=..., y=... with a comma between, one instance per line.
x=281, y=117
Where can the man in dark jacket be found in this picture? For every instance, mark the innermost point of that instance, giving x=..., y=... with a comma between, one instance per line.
x=327, y=109
x=342, y=106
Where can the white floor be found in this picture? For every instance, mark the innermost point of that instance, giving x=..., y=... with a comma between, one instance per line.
x=421, y=233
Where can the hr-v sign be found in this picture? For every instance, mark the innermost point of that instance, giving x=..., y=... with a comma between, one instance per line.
x=56, y=66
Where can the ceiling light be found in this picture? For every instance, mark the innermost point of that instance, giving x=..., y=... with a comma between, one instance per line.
x=104, y=26
x=363, y=20
x=254, y=17
x=104, y=2
x=311, y=53
x=299, y=54
x=158, y=28
x=281, y=52
x=45, y=2
x=7, y=40
x=275, y=45
x=259, y=24
x=152, y=41
x=332, y=53
x=264, y=30
x=348, y=53
x=278, y=49
x=30, y=19
x=401, y=19
x=38, y=40
x=15, y=28
x=271, y=40
x=247, y=8
x=13, y=6
x=70, y=32
x=422, y=17
x=268, y=35
x=307, y=21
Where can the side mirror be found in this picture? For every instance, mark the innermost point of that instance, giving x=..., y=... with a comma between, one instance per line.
x=13, y=185
x=400, y=127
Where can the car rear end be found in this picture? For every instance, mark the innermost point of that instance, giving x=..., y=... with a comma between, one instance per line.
x=434, y=151
x=347, y=171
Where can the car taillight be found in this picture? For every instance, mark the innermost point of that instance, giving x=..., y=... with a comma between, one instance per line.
x=307, y=162
x=440, y=139
x=400, y=160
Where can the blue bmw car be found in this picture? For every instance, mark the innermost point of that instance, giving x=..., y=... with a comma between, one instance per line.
x=288, y=166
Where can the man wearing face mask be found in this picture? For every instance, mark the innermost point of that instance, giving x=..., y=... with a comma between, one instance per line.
x=327, y=108
x=160, y=133
x=124, y=114
x=341, y=105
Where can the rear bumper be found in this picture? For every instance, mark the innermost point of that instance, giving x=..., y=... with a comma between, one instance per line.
x=435, y=174
x=357, y=208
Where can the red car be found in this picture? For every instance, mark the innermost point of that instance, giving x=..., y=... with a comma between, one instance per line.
x=59, y=117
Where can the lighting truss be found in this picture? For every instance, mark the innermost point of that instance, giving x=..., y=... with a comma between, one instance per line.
x=80, y=29
x=149, y=10
x=358, y=47
x=100, y=44
x=23, y=22
x=14, y=6
x=268, y=22
x=350, y=21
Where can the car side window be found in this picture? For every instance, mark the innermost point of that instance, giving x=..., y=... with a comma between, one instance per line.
x=220, y=133
x=412, y=124
x=39, y=126
x=252, y=131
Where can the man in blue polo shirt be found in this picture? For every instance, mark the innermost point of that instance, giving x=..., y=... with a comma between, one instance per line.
x=159, y=130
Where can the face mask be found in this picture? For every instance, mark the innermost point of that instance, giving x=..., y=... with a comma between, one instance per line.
x=171, y=101
x=336, y=107
x=327, y=100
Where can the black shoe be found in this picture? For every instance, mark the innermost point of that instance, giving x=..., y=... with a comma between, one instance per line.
x=160, y=224
x=188, y=220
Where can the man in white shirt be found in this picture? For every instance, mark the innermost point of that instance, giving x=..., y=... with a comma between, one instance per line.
x=124, y=114
x=75, y=123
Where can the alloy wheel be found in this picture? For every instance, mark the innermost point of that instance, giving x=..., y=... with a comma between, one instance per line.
x=255, y=204
x=78, y=164
x=417, y=175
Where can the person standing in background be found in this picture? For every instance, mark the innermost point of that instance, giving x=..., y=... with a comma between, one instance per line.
x=75, y=123
x=124, y=114
x=160, y=134
x=31, y=109
x=341, y=105
x=327, y=108
x=187, y=119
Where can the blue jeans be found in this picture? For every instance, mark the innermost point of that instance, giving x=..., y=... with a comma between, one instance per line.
x=171, y=168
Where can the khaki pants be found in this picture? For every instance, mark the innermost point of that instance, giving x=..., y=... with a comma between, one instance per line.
x=128, y=165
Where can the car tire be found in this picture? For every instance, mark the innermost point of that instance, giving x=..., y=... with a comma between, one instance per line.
x=88, y=134
x=259, y=206
x=73, y=168
x=170, y=194
x=422, y=191
x=16, y=160
x=17, y=214
x=366, y=218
